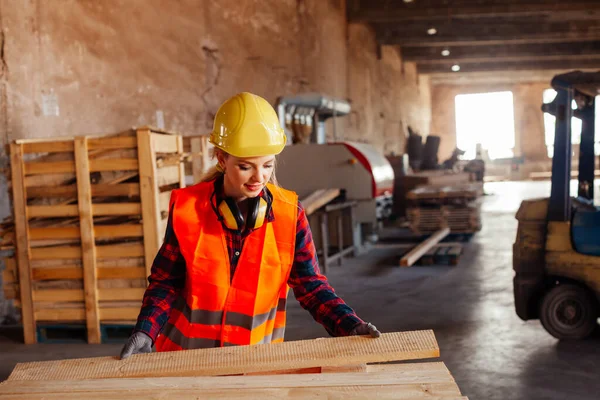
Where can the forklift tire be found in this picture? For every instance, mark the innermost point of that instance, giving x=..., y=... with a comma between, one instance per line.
x=569, y=312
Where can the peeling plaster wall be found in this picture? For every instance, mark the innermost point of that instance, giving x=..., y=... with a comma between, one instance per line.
x=529, y=123
x=111, y=65
x=387, y=95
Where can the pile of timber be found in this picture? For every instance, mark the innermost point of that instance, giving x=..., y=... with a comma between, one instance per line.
x=318, y=199
x=456, y=207
x=89, y=214
x=332, y=368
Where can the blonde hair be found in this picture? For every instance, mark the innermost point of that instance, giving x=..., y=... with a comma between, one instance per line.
x=216, y=171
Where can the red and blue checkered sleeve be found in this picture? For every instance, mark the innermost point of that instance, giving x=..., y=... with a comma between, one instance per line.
x=312, y=289
x=166, y=280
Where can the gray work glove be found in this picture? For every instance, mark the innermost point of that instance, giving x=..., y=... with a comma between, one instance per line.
x=139, y=342
x=366, y=329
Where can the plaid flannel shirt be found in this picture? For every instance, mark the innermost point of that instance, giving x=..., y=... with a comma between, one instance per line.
x=310, y=287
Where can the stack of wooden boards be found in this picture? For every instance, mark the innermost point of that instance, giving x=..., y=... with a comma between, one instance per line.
x=89, y=214
x=332, y=368
x=445, y=200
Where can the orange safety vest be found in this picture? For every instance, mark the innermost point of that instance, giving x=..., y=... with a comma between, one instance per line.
x=213, y=310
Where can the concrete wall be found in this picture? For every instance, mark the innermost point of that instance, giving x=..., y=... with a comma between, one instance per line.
x=74, y=67
x=529, y=123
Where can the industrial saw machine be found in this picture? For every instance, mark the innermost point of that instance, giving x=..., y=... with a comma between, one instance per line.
x=363, y=174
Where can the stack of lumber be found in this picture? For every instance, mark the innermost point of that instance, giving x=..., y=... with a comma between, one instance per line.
x=456, y=207
x=318, y=199
x=332, y=368
x=89, y=214
x=437, y=178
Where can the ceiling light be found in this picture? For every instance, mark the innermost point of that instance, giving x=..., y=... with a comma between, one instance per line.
x=445, y=52
x=408, y=1
x=456, y=68
x=431, y=31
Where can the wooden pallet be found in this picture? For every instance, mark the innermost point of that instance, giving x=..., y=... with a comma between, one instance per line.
x=76, y=333
x=333, y=368
x=457, y=219
x=442, y=255
x=89, y=215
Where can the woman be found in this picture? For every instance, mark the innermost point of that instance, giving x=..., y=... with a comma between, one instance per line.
x=234, y=244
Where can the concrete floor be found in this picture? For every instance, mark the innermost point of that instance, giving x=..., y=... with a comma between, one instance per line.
x=489, y=350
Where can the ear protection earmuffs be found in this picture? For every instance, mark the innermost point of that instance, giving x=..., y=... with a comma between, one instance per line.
x=234, y=219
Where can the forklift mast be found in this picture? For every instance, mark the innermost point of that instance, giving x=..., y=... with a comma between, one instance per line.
x=559, y=207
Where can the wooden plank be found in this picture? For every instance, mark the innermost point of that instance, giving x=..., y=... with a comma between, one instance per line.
x=164, y=199
x=66, y=295
x=122, y=273
x=78, y=314
x=73, y=232
x=198, y=165
x=120, y=250
x=318, y=199
x=114, y=164
x=60, y=314
x=147, y=145
x=22, y=241
x=59, y=146
x=57, y=211
x=181, y=164
x=52, y=211
x=98, y=165
x=163, y=143
x=118, y=231
x=70, y=232
x=116, y=209
x=42, y=274
x=111, y=143
x=76, y=272
x=74, y=252
x=406, y=382
x=167, y=176
x=8, y=276
x=412, y=256
x=322, y=352
x=133, y=294
x=434, y=391
x=36, y=168
x=88, y=244
x=124, y=189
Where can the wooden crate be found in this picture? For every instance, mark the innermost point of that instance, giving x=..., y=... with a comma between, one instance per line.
x=89, y=217
x=200, y=160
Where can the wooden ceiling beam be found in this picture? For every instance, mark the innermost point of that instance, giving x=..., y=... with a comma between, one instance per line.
x=433, y=55
x=565, y=65
x=396, y=11
x=536, y=38
x=508, y=59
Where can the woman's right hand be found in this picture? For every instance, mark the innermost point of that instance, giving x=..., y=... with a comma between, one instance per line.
x=137, y=343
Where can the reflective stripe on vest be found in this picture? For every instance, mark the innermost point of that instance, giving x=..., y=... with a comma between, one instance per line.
x=214, y=310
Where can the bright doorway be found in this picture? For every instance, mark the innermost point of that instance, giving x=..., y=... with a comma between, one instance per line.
x=487, y=119
x=550, y=123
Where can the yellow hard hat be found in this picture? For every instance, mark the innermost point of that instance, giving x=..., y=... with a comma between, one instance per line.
x=247, y=126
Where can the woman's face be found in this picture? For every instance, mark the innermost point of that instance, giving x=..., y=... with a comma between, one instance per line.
x=245, y=177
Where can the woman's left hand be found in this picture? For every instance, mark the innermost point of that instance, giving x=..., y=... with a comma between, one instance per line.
x=366, y=329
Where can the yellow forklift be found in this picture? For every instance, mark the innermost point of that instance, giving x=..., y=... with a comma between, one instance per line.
x=556, y=255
